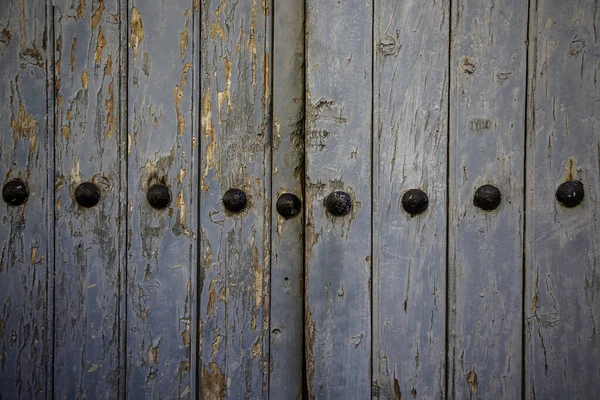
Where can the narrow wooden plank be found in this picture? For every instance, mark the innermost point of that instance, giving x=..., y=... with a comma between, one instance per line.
x=24, y=256
x=87, y=241
x=487, y=114
x=409, y=261
x=235, y=145
x=562, y=300
x=287, y=263
x=162, y=151
x=338, y=157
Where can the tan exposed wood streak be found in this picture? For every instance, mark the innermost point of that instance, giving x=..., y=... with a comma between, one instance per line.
x=184, y=38
x=137, y=32
x=97, y=14
x=99, y=46
x=109, y=104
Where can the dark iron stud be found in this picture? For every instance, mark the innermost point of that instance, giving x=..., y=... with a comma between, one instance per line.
x=487, y=197
x=87, y=194
x=235, y=200
x=15, y=192
x=159, y=196
x=570, y=194
x=288, y=205
x=338, y=203
x=415, y=201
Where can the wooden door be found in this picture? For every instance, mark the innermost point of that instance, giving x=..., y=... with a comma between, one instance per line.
x=322, y=199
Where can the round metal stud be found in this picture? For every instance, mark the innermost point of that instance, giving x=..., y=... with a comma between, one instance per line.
x=87, y=194
x=415, y=201
x=487, y=197
x=15, y=192
x=288, y=205
x=570, y=194
x=235, y=200
x=159, y=196
x=338, y=203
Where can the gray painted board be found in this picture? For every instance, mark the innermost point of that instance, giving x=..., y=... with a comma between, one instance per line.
x=161, y=266
x=409, y=260
x=562, y=299
x=487, y=115
x=87, y=240
x=24, y=245
x=338, y=157
x=287, y=263
x=235, y=148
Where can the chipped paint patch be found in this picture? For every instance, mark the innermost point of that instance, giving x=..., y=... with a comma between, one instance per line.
x=137, y=32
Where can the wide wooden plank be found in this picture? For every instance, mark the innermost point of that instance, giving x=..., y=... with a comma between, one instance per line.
x=410, y=150
x=24, y=249
x=562, y=299
x=235, y=147
x=287, y=231
x=487, y=115
x=89, y=242
x=338, y=158
x=162, y=242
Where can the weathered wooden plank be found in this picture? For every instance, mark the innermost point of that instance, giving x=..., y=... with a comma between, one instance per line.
x=162, y=242
x=338, y=158
x=24, y=256
x=487, y=114
x=410, y=150
x=562, y=299
x=287, y=231
x=235, y=145
x=87, y=240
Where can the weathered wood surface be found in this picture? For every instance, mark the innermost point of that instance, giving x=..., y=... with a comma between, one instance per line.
x=162, y=261
x=562, y=300
x=487, y=114
x=287, y=262
x=24, y=246
x=338, y=157
x=88, y=241
x=235, y=147
x=410, y=146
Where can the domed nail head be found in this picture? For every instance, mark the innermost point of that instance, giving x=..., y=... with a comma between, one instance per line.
x=338, y=203
x=288, y=205
x=415, y=201
x=159, y=196
x=487, y=197
x=87, y=194
x=235, y=200
x=15, y=192
x=570, y=194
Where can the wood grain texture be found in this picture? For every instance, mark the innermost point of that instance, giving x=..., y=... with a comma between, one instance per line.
x=162, y=243
x=235, y=146
x=338, y=157
x=287, y=265
x=409, y=260
x=24, y=247
x=562, y=299
x=87, y=240
x=487, y=114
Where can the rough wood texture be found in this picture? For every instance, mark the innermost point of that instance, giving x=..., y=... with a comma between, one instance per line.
x=409, y=260
x=487, y=114
x=162, y=243
x=287, y=276
x=235, y=145
x=23, y=230
x=87, y=240
x=562, y=300
x=338, y=157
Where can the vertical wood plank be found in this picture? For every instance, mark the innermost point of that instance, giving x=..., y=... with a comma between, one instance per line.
x=338, y=157
x=235, y=146
x=562, y=300
x=162, y=242
x=487, y=115
x=287, y=263
x=24, y=247
x=87, y=240
x=409, y=261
